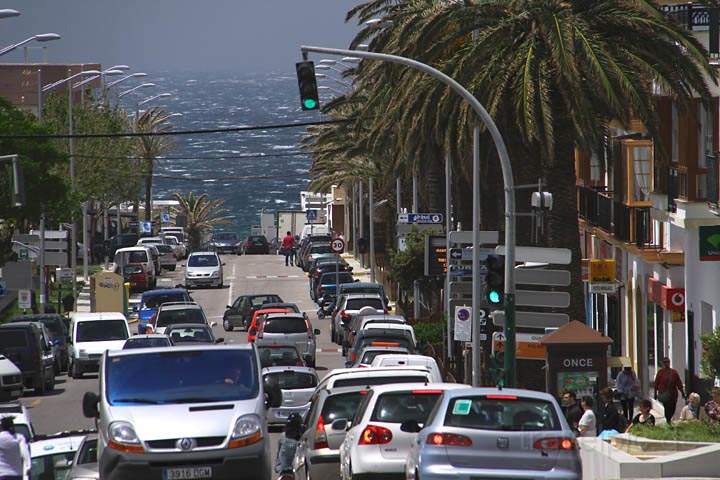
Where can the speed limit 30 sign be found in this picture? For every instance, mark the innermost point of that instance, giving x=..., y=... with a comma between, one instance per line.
x=337, y=245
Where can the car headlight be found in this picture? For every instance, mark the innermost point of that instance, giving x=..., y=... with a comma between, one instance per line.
x=247, y=431
x=122, y=436
x=82, y=353
x=215, y=274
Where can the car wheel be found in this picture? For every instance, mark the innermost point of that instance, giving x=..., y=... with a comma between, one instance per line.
x=75, y=372
x=227, y=326
x=40, y=386
x=51, y=384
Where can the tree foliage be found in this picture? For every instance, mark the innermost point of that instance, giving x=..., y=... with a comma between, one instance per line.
x=201, y=214
x=149, y=148
x=710, y=360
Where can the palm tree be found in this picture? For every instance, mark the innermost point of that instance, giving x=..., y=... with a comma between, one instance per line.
x=552, y=73
x=151, y=147
x=201, y=215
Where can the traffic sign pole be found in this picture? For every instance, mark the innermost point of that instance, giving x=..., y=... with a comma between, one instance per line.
x=337, y=246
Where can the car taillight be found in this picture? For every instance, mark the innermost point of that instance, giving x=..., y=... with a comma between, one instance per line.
x=426, y=392
x=375, y=435
x=344, y=315
x=353, y=357
x=320, y=436
x=501, y=397
x=555, y=443
x=448, y=439
x=362, y=365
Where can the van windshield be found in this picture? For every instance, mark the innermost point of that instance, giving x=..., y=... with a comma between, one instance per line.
x=101, y=331
x=195, y=376
x=202, y=261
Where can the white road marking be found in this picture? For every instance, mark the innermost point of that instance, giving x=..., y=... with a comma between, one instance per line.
x=230, y=290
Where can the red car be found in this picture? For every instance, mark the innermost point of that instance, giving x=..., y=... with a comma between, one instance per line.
x=253, y=328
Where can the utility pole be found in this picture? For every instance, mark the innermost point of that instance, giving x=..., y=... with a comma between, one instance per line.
x=362, y=219
x=448, y=227
x=71, y=150
x=416, y=285
x=371, y=206
x=42, y=263
x=508, y=183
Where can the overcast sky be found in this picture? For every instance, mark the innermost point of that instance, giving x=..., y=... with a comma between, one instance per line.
x=242, y=36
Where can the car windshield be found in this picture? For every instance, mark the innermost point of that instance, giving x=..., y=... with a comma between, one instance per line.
x=399, y=407
x=189, y=335
x=137, y=257
x=285, y=325
x=225, y=237
x=202, y=261
x=343, y=405
x=502, y=412
x=292, y=380
x=257, y=239
x=187, y=315
x=358, y=303
x=195, y=376
x=88, y=454
x=51, y=467
x=178, y=236
x=168, y=240
x=152, y=342
x=279, y=357
x=101, y=331
x=154, y=301
x=329, y=278
x=54, y=326
x=369, y=356
x=11, y=338
x=384, y=380
x=261, y=300
x=164, y=248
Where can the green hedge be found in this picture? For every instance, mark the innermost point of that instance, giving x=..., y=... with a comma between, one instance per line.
x=681, y=431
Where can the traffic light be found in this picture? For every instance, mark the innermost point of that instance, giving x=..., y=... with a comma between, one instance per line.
x=309, y=99
x=495, y=279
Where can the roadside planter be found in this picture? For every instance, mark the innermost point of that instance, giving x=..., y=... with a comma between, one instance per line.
x=630, y=456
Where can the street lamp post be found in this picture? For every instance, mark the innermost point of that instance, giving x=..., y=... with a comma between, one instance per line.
x=8, y=13
x=43, y=37
x=508, y=184
x=142, y=85
x=154, y=97
x=371, y=206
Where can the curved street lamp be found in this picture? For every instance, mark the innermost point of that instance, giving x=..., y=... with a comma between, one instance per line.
x=126, y=77
x=43, y=37
x=142, y=85
x=154, y=97
x=8, y=13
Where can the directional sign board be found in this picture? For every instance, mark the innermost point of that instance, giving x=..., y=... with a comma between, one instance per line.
x=550, y=278
x=485, y=237
x=432, y=218
x=528, y=345
x=337, y=245
x=532, y=319
x=560, y=256
x=465, y=254
x=533, y=298
x=64, y=275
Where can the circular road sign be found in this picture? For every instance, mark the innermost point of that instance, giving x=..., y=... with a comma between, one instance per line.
x=337, y=245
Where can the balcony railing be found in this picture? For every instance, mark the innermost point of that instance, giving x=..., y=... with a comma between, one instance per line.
x=697, y=17
x=629, y=224
x=711, y=178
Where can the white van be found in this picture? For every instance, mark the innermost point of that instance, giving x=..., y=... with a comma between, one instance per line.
x=136, y=256
x=91, y=334
x=314, y=230
x=11, y=380
x=408, y=360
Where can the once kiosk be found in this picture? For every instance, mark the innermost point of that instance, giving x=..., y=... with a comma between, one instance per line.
x=576, y=359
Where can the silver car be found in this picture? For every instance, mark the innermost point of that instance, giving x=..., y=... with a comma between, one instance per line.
x=297, y=385
x=291, y=329
x=490, y=433
x=84, y=465
x=318, y=455
x=182, y=413
x=204, y=269
x=349, y=307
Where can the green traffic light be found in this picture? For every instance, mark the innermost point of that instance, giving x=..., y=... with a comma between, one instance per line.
x=494, y=297
x=310, y=103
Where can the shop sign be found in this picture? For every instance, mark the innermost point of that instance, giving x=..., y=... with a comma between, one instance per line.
x=602, y=271
x=672, y=299
x=709, y=248
x=527, y=347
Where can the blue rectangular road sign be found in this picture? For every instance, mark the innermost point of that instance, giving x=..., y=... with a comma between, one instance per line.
x=311, y=214
x=433, y=218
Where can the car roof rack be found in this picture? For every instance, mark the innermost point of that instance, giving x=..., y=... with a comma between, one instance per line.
x=64, y=434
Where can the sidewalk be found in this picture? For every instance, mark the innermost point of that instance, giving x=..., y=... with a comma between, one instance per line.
x=358, y=271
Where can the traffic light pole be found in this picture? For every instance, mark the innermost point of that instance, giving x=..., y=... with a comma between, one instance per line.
x=508, y=184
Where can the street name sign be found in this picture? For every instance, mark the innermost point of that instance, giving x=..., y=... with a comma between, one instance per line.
x=465, y=254
x=486, y=237
x=603, y=288
x=431, y=218
x=532, y=319
x=551, y=278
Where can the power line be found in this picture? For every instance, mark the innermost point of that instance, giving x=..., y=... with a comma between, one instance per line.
x=175, y=133
x=222, y=179
x=250, y=155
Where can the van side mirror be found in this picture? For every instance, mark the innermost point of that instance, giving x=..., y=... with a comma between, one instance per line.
x=273, y=393
x=90, y=405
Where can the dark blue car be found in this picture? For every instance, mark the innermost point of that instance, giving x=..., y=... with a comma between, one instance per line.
x=325, y=285
x=152, y=299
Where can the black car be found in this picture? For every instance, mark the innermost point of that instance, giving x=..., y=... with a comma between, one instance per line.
x=58, y=332
x=256, y=244
x=225, y=242
x=23, y=344
x=240, y=313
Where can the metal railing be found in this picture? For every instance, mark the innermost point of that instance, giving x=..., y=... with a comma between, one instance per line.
x=711, y=179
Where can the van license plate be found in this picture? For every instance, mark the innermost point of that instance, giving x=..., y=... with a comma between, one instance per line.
x=189, y=473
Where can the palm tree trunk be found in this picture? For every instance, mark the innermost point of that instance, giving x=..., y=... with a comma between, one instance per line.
x=148, y=189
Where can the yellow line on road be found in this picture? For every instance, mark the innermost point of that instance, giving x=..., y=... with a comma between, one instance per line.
x=35, y=403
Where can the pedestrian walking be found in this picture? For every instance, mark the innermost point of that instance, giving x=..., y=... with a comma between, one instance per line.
x=667, y=385
x=588, y=422
x=609, y=418
x=691, y=411
x=644, y=417
x=287, y=446
x=287, y=247
x=711, y=410
x=571, y=408
x=11, y=457
x=628, y=386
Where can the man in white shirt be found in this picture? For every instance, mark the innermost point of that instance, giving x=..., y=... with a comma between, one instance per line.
x=11, y=458
x=588, y=423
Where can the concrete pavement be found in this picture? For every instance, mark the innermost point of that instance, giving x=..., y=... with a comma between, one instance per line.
x=62, y=410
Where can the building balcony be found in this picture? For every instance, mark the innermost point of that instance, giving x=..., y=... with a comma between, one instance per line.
x=697, y=17
x=628, y=224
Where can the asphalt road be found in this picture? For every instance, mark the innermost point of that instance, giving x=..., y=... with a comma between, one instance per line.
x=62, y=410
